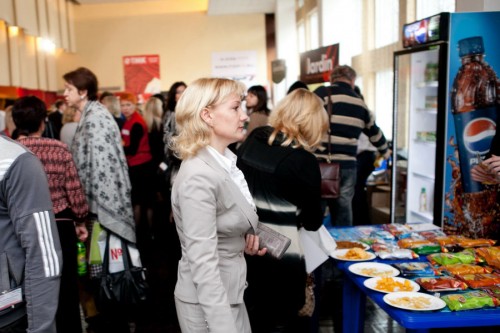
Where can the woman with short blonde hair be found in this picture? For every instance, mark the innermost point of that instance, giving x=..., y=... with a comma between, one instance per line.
x=285, y=182
x=213, y=210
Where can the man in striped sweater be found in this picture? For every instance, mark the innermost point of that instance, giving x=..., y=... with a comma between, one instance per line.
x=30, y=252
x=350, y=117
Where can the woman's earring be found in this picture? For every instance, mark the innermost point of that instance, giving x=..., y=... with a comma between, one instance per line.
x=82, y=97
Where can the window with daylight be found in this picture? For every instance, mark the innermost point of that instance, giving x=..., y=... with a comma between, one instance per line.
x=383, y=101
x=426, y=8
x=313, y=27
x=342, y=14
x=301, y=35
x=386, y=22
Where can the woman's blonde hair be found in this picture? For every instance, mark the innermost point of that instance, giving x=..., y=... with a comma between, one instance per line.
x=113, y=105
x=152, y=112
x=193, y=132
x=301, y=118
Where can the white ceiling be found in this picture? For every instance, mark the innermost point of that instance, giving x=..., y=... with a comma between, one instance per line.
x=221, y=7
x=215, y=7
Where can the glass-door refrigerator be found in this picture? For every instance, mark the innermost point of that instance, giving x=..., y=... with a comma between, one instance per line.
x=419, y=121
x=446, y=99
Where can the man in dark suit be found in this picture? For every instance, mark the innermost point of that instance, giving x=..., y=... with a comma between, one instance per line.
x=55, y=118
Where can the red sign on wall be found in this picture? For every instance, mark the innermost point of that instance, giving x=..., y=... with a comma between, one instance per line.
x=142, y=74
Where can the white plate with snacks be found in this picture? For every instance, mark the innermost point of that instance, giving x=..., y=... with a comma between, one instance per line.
x=373, y=269
x=414, y=301
x=354, y=254
x=388, y=284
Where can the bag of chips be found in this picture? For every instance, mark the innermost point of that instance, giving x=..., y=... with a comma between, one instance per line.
x=432, y=234
x=493, y=291
x=491, y=255
x=480, y=242
x=396, y=253
x=470, y=300
x=444, y=283
x=419, y=246
x=452, y=258
x=480, y=280
x=397, y=230
x=416, y=269
x=461, y=269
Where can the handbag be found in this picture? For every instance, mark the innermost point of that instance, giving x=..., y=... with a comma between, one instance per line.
x=330, y=179
x=309, y=305
x=330, y=171
x=124, y=288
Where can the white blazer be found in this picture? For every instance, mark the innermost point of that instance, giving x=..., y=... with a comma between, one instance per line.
x=212, y=217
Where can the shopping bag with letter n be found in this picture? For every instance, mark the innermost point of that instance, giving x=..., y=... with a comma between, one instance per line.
x=123, y=280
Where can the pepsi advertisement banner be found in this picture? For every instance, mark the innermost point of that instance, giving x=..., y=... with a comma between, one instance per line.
x=470, y=206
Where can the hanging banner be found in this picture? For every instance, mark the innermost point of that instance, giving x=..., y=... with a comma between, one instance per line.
x=278, y=70
x=142, y=75
x=316, y=65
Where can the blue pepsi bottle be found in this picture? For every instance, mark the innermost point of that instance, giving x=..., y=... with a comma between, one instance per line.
x=474, y=108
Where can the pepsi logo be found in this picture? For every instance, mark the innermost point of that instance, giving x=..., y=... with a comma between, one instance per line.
x=478, y=135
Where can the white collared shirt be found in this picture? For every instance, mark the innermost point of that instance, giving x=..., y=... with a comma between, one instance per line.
x=228, y=163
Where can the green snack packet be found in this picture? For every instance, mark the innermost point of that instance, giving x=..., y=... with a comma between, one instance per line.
x=426, y=249
x=469, y=301
x=452, y=258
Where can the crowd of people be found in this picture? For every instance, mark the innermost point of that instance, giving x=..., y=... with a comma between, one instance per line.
x=207, y=163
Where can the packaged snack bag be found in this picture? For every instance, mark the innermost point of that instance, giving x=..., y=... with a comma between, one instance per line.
x=432, y=234
x=382, y=234
x=462, y=269
x=470, y=300
x=416, y=269
x=393, y=253
x=419, y=246
x=480, y=280
x=480, y=242
x=397, y=230
x=491, y=255
x=444, y=283
x=493, y=291
x=452, y=258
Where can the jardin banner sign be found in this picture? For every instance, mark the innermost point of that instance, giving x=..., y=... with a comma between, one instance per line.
x=316, y=65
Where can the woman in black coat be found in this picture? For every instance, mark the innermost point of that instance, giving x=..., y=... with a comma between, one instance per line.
x=284, y=179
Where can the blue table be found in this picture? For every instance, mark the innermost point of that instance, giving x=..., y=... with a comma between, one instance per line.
x=355, y=293
x=354, y=302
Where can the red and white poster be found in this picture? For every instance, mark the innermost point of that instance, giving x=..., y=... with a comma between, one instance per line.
x=142, y=75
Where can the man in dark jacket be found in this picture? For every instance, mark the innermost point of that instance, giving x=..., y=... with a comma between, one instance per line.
x=30, y=252
x=350, y=117
x=55, y=118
